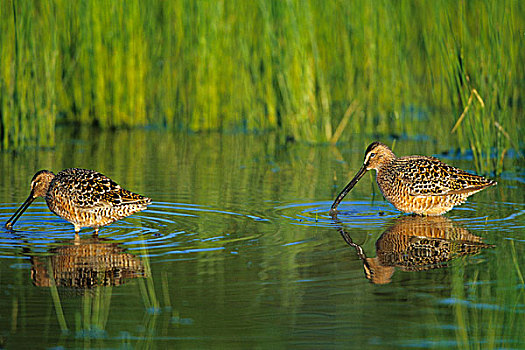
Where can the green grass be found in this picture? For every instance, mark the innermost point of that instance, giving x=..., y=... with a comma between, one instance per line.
x=294, y=66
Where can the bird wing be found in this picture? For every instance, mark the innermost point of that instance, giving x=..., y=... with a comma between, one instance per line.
x=89, y=189
x=122, y=196
x=431, y=177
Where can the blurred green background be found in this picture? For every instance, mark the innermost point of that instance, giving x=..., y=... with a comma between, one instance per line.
x=315, y=71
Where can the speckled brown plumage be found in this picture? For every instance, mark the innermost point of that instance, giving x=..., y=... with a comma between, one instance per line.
x=85, y=198
x=417, y=184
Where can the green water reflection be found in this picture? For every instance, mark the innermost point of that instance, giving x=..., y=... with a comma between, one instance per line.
x=238, y=251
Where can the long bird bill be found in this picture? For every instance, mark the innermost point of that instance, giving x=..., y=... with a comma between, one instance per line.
x=348, y=187
x=9, y=224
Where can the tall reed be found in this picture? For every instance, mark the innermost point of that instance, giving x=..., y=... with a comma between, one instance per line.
x=482, y=62
x=295, y=66
x=29, y=57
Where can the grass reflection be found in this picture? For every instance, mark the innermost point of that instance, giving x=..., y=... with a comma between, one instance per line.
x=147, y=287
x=89, y=268
x=283, y=281
x=92, y=268
x=486, y=304
x=489, y=315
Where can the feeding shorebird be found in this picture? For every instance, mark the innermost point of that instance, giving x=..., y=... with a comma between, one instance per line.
x=416, y=184
x=85, y=198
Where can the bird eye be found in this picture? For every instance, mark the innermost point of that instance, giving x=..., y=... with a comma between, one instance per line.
x=372, y=155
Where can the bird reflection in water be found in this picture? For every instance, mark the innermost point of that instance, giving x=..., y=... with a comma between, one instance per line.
x=415, y=243
x=85, y=264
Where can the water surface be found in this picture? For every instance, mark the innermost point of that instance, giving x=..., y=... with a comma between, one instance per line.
x=238, y=251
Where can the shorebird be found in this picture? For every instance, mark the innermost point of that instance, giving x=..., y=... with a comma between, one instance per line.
x=416, y=184
x=85, y=198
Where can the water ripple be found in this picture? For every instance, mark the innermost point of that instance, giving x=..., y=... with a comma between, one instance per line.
x=356, y=213
x=182, y=231
x=163, y=229
x=498, y=216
